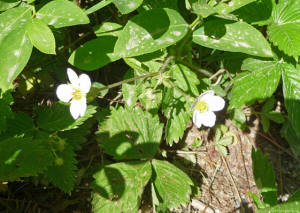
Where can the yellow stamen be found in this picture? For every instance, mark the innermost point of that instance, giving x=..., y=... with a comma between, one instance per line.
x=202, y=106
x=77, y=94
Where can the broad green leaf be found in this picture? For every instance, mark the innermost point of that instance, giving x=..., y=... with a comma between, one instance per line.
x=23, y=158
x=172, y=185
x=264, y=177
x=107, y=29
x=200, y=7
x=41, y=36
x=258, y=83
x=178, y=115
x=150, y=31
x=94, y=54
x=62, y=172
x=222, y=150
x=291, y=92
x=151, y=4
x=269, y=105
x=5, y=110
x=287, y=131
x=285, y=28
x=232, y=5
x=15, y=47
x=130, y=93
x=7, y=4
x=257, y=12
x=118, y=187
x=130, y=133
x=97, y=89
x=232, y=36
x=58, y=117
x=62, y=13
x=265, y=121
x=127, y=6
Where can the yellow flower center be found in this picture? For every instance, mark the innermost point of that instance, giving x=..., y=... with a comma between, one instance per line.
x=202, y=106
x=77, y=94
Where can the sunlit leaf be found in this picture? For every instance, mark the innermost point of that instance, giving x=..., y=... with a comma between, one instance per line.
x=118, y=187
x=150, y=31
x=232, y=36
x=62, y=13
x=127, y=6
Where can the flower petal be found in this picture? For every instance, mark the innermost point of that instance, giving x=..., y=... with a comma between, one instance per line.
x=64, y=92
x=215, y=103
x=196, y=119
x=73, y=77
x=84, y=83
x=75, y=108
x=83, y=106
x=207, y=118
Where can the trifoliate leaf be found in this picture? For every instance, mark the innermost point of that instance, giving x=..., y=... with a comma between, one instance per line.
x=62, y=13
x=58, y=117
x=19, y=125
x=264, y=177
x=150, y=31
x=238, y=118
x=275, y=116
x=130, y=133
x=15, y=47
x=222, y=150
x=291, y=92
x=285, y=27
x=265, y=122
x=172, y=185
x=62, y=172
x=118, y=187
x=269, y=105
x=23, y=158
x=232, y=36
x=259, y=83
x=178, y=115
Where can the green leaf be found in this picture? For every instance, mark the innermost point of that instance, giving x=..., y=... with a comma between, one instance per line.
x=150, y=31
x=287, y=131
x=130, y=133
x=178, y=115
x=292, y=206
x=58, y=117
x=107, y=29
x=200, y=7
x=41, y=36
x=127, y=6
x=285, y=28
x=260, y=83
x=94, y=54
x=5, y=110
x=118, y=187
x=130, y=93
x=15, y=47
x=18, y=125
x=95, y=91
x=264, y=177
x=222, y=150
x=265, y=121
x=232, y=36
x=23, y=158
x=185, y=79
x=275, y=116
x=225, y=141
x=151, y=4
x=172, y=186
x=238, y=118
x=232, y=5
x=62, y=13
x=269, y=105
x=62, y=174
x=291, y=92
x=7, y=4
x=257, y=12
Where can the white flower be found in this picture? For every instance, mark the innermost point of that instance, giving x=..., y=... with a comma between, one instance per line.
x=204, y=108
x=76, y=91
